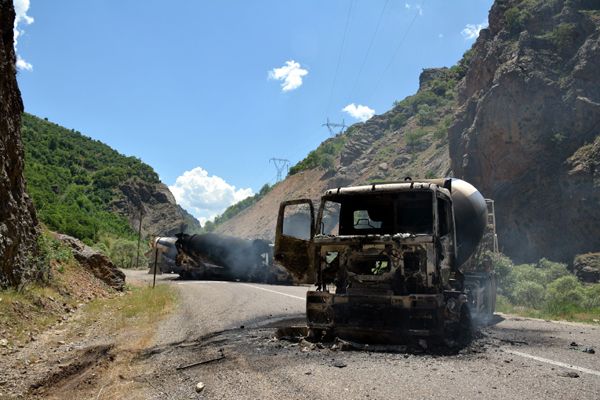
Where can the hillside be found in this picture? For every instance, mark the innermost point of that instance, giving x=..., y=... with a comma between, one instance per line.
x=408, y=140
x=86, y=189
x=518, y=116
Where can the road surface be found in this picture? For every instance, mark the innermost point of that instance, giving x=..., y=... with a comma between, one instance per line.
x=230, y=324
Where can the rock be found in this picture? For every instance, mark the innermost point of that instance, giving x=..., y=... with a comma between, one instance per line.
x=199, y=387
x=161, y=212
x=383, y=166
x=18, y=221
x=587, y=267
x=3, y=342
x=96, y=262
x=526, y=133
x=339, y=364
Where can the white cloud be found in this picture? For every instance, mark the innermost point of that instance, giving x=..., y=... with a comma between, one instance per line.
x=359, y=112
x=22, y=64
x=471, y=31
x=290, y=75
x=206, y=196
x=21, y=18
x=417, y=7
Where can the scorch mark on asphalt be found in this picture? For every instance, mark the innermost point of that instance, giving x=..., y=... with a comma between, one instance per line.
x=514, y=352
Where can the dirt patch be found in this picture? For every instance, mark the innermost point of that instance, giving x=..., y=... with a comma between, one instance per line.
x=78, y=372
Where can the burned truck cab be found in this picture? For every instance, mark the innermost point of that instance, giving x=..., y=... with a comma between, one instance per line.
x=384, y=259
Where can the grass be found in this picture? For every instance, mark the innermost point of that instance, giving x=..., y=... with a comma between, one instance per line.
x=140, y=306
x=30, y=311
x=571, y=312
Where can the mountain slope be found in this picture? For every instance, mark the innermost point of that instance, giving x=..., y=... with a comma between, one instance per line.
x=518, y=116
x=408, y=140
x=86, y=189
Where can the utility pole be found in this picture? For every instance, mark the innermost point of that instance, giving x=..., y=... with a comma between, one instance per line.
x=333, y=127
x=280, y=165
x=137, y=260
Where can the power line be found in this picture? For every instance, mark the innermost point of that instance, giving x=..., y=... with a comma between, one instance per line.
x=280, y=165
x=339, y=61
x=418, y=12
x=362, y=65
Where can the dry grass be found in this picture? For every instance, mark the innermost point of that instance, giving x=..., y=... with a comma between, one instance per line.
x=139, y=307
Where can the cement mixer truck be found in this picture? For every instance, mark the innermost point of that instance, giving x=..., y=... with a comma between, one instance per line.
x=391, y=262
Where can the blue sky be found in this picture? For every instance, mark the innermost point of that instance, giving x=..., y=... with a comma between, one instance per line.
x=191, y=85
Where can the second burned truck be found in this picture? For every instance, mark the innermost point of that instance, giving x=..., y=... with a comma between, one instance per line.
x=390, y=261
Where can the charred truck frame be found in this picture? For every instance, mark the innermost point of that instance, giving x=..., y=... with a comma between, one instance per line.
x=389, y=260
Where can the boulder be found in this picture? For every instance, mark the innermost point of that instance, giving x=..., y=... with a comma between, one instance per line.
x=587, y=267
x=96, y=262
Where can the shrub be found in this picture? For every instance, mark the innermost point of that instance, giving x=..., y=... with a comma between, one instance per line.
x=316, y=158
x=503, y=267
x=552, y=270
x=426, y=114
x=123, y=253
x=398, y=121
x=516, y=19
x=529, y=273
x=415, y=137
x=564, y=291
x=563, y=36
x=592, y=296
x=529, y=294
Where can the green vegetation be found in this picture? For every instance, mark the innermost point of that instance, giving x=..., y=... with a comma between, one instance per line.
x=237, y=208
x=516, y=18
x=563, y=36
x=544, y=290
x=323, y=156
x=140, y=307
x=426, y=104
x=72, y=180
x=415, y=137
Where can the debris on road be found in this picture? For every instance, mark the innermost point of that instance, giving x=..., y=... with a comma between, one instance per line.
x=569, y=374
x=200, y=387
x=220, y=357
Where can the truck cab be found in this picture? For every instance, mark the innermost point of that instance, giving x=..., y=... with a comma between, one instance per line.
x=384, y=258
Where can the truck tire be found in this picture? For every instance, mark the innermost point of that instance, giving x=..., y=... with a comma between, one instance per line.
x=464, y=331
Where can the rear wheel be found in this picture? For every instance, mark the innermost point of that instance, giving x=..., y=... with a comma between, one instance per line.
x=464, y=331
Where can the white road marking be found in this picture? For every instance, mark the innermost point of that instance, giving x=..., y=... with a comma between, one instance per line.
x=274, y=291
x=557, y=363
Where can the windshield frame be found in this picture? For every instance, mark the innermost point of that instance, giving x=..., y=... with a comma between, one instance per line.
x=341, y=197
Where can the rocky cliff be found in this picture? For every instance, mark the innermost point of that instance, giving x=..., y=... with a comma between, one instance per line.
x=161, y=216
x=18, y=222
x=526, y=133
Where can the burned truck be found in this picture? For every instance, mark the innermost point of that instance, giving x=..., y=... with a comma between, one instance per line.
x=390, y=260
x=221, y=257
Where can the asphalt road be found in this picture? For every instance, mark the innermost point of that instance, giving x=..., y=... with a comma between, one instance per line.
x=516, y=358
